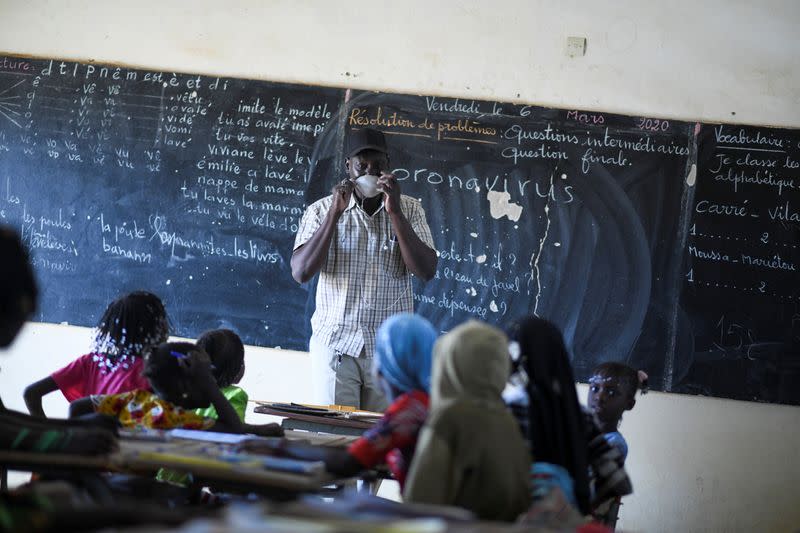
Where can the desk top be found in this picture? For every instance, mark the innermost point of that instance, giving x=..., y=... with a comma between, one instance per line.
x=209, y=461
x=329, y=418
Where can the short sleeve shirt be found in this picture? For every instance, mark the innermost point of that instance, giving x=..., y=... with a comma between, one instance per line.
x=615, y=439
x=143, y=409
x=364, y=279
x=84, y=377
x=394, y=437
x=237, y=398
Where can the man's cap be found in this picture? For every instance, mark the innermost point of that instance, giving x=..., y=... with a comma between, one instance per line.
x=365, y=139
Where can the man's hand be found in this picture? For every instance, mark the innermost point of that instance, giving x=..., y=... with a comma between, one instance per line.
x=391, y=192
x=308, y=259
x=341, y=192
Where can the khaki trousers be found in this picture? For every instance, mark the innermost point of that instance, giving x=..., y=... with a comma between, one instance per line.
x=342, y=379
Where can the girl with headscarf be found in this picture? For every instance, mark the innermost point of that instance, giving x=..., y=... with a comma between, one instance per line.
x=568, y=450
x=470, y=452
x=402, y=366
x=554, y=423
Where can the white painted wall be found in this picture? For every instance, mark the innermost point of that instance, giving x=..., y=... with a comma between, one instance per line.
x=698, y=464
x=683, y=59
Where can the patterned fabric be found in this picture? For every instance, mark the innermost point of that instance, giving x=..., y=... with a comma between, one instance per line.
x=143, y=409
x=394, y=437
x=608, y=477
x=235, y=395
x=84, y=377
x=238, y=398
x=364, y=280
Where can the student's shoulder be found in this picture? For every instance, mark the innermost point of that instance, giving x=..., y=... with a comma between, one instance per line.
x=449, y=418
x=86, y=358
x=234, y=391
x=416, y=401
x=79, y=364
x=615, y=438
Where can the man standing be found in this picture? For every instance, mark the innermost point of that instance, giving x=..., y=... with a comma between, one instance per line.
x=365, y=240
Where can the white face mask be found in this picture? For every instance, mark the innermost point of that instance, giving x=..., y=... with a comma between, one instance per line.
x=367, y=186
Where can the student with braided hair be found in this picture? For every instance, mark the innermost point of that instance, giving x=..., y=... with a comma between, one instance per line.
x=181, y=381
x=130, y=325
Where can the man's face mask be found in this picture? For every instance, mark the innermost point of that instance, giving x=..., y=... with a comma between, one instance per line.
x=367, y=186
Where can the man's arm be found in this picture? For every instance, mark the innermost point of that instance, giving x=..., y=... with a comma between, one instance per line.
x=309, y=258
x=418, y=257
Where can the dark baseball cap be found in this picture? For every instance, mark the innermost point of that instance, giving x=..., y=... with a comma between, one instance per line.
x=365, y=139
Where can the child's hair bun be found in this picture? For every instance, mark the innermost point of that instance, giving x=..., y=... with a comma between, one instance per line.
x=644, y=386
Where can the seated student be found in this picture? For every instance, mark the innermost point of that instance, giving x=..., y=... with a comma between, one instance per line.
x=18, y=431
x=551, y=416
x=612, y=391
x=564, y=440
x=179, y=374
x=226, y=351
x=402, y=367
x=470, y=452
x=129, y=325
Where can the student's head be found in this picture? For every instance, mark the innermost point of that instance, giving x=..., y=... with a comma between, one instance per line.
x=540, y=351
x=612, y=391
x=18, y=290
x=366, y=153
x=166, y=368
x=130, y=324
x=226, y=351
x=403, y=349
x=470, y=363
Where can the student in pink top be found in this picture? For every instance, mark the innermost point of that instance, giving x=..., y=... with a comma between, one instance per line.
x=130, y=325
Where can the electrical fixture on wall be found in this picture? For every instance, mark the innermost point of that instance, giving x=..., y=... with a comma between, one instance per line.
x=576, y=46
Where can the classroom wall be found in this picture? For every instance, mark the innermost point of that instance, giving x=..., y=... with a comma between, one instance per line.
x=698, y=464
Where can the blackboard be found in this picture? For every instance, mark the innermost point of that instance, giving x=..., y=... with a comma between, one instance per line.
x=740, y=312
x=571, y=215
x=192, y=187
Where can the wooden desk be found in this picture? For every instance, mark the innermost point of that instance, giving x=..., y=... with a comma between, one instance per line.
x=201, y=459
x=320, y=439
x=318, y=424
x=310, y=426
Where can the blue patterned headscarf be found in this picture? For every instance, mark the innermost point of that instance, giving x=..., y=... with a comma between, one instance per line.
x=403, y=348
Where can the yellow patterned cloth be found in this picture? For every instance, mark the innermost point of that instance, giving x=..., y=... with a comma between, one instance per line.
x=143, y=409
